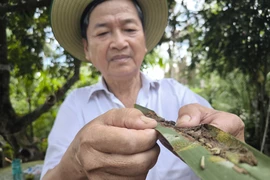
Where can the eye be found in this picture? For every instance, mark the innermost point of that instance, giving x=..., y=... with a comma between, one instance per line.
x=130, y=30
x=102, y=33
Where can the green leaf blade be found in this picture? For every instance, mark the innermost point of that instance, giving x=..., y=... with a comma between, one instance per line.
x=236, y=160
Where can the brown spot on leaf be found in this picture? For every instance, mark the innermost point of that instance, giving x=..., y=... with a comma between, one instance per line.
x=203, y=134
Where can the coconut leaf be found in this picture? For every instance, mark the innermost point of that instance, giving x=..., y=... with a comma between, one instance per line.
x=211, y=152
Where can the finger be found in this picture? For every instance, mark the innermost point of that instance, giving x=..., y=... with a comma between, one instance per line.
x=191, y=115
x=133, y=165
x=100, y=175
x=227, y=122
x=118, y=132
x=110, y=139
x=195, y=114
x=128, y=118
x=125, y=165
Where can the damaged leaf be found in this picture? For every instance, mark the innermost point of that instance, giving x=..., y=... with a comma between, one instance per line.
x=211, y=152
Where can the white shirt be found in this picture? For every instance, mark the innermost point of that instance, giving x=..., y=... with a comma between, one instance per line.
x=164, y=96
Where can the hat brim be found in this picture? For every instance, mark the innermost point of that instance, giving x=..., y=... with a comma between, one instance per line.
x=66, y=15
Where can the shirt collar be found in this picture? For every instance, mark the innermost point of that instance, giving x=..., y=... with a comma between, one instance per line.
x=147, y=83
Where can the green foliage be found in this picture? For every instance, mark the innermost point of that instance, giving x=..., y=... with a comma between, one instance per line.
x=237, y=35
x=89, y=75
x=42, y=126
x=26, y=38
x=8, y=151
x=29, y=93
x=152, y=59
x=29, y=177
x=231, y=94
x=39, y=68
x=232, y=38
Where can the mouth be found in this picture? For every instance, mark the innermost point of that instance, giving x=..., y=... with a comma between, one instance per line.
x=120, y=58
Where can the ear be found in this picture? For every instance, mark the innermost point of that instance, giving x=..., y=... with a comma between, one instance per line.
x=85, y=48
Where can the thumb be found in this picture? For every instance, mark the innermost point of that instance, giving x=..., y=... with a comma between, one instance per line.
x=191, y=115
x=184, y=121
x=130, y=118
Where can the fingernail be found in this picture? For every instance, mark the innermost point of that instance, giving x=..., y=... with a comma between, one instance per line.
x=146, y=120
x=183, y=119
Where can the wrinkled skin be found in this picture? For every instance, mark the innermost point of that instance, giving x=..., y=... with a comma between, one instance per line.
x=119, y=144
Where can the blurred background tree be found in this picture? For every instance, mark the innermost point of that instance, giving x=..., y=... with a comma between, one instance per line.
x=235, y=44
x=228, y=58
x=35, y=75
x=219, y=48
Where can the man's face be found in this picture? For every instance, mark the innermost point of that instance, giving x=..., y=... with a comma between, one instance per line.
x=116, y=41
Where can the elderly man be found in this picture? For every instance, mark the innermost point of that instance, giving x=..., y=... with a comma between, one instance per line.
x=97, y=133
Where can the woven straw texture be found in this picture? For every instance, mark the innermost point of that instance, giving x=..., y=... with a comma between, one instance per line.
x=65, y=21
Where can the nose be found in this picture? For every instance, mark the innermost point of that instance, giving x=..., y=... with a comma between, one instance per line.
x=119, y=41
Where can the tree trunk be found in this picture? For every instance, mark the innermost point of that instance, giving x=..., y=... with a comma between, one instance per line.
x=13, y=127
x=7, y=113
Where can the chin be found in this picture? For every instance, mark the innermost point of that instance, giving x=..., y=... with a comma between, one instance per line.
x=125, y=74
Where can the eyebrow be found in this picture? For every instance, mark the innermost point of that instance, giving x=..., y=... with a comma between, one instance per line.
x=122, y=22
x=128, y=21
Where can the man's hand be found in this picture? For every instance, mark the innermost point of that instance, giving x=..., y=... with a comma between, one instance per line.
x=195, y=114
x=120, y=144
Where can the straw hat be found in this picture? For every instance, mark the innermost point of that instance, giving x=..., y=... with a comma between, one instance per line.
x=66, y=15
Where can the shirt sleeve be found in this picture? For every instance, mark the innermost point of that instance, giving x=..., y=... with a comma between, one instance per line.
x=65, y=128
x=191, y=97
